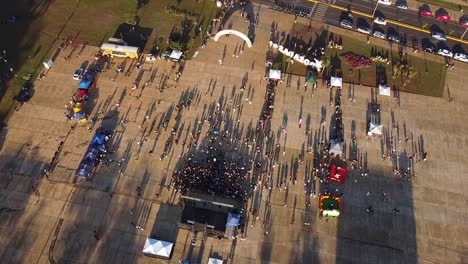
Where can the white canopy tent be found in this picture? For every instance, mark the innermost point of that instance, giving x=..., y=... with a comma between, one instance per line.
x=336, y=81
x=175, y=55
x=158, y=248
x=384, y=90
x=214, y=261
x=375, y=129
x=275, y=74
x=336, y=147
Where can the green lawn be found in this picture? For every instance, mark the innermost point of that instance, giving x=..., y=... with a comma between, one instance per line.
x=429, y=79
x=283, y=63
x=44, y=24
x=447, y=4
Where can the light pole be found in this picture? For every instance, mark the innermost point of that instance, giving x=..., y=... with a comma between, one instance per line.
x=375, y=9
x=464, y=33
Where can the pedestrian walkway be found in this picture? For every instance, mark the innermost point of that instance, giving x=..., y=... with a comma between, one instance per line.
x=320, y=10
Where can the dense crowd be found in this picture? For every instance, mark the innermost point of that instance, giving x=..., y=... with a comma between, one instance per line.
x=214, y=175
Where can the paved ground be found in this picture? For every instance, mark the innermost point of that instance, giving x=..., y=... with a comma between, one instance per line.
x=58, y=223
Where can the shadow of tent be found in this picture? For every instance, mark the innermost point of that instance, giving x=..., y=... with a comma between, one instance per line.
x=134, y=35
x=165, y=224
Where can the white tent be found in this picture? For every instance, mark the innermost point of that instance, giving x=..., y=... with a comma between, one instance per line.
x=336, y=147
x=158, y=248
x=375, y=129
x=384, y=90
x=275, y=74
x=175, y=55
x=214, y=261
x=337, y=82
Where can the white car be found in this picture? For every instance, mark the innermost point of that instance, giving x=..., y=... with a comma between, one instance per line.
x=385, y=2
x=379, y=34
x=445, y=53
x=78, y=73
x=364, y=30
x=461, y=57
x=439, y=36
x=380, y=21
x=346, y=23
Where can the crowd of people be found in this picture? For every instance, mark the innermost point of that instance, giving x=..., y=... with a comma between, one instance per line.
x=337, y=132
x=215, y=175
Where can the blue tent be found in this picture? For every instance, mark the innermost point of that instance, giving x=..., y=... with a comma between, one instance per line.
x=79, y=115
x=88, y=76
x=98, y=139
x=84, y=84
x=233, y=220
x=84, y=170
x=91, y=155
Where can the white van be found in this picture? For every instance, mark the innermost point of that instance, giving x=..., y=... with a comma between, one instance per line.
x=385, y=2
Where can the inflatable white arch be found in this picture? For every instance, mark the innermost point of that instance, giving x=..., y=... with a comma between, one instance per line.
x=234, y=32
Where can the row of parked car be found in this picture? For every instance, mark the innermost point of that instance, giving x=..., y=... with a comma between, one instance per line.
x=424, y=10
x=392, y=35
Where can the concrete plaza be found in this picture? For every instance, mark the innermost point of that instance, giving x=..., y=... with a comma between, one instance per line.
x=53, y=220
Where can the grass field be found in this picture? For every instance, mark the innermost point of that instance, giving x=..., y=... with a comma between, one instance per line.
x=43, y=24
x=429, y=79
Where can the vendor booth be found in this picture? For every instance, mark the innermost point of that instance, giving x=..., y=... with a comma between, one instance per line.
x=336, y=147
x=384, y=89
x=158, y=248
x=375, y=129
x=338, y=174
x=336, y=82
x=175, y=55
x=330, y=206
x=275, y=75
x=215, y=261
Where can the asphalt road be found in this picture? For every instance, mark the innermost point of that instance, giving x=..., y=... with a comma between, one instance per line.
x=411, y=17
x=332, y=16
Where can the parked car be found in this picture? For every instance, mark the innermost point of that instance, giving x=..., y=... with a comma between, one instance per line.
x=385, y=2
x=346, y=23
x=379, y=34
x=380, y=20
x=445, y=52
x=25, y=94
x=428, y=46
x=442, y=15
x=464, y=21
x=439, y=36
x=394, y=38
x=401, y=4
x=363, y=26
x=78, y=73
x=425, y=10
x=461, y=57
x=364, y=29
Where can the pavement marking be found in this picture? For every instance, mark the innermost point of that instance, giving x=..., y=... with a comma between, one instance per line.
x=321, y=11
x=397, y=23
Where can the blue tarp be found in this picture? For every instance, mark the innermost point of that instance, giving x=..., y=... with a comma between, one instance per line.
x=91, y=155
x=79, y=115
x=233, y=220
x=96, y=147
x=98, y=139
x=86, y=81
x=84, y=170
x=88, y=76
x=84, y=84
